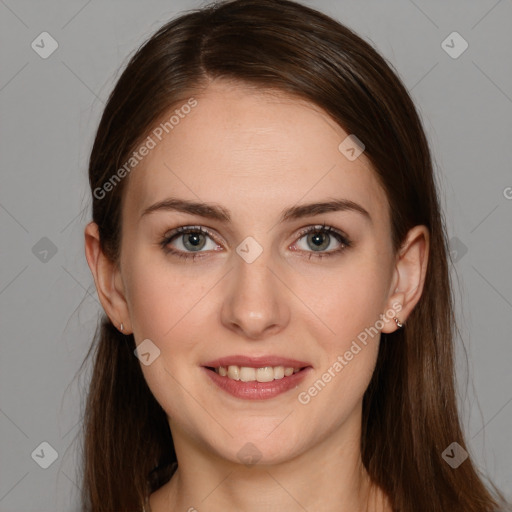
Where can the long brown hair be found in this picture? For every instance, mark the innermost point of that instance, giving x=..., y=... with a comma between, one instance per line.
x=410, y=412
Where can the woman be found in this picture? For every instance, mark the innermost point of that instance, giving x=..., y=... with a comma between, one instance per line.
x=268, y=247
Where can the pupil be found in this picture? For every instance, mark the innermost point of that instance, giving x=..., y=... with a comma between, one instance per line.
x=193, y=240
x=317, y=240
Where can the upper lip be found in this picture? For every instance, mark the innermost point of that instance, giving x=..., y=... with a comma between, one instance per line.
x=256, y=362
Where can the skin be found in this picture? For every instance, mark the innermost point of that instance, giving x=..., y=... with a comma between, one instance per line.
x=255, y=153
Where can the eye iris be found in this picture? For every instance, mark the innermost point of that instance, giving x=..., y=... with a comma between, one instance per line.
x=194, y=239
x=316, y=238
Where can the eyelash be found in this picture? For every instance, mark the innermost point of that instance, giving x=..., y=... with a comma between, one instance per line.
x=167, y=239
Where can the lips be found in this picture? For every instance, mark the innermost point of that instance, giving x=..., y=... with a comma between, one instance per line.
x=256, y=362
x=256, y=378
x=254, y=390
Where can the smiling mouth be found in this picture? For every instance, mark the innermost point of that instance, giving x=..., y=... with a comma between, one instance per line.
x=250, y=374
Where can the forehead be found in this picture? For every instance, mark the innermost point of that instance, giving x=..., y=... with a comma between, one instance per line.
x=250, y=150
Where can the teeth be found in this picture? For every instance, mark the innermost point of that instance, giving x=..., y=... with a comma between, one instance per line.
x=233, y=372
x=265, y=374
x=278, y=372
x=249, y=374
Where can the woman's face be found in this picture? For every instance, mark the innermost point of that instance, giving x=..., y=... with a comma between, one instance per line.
x=257, y=287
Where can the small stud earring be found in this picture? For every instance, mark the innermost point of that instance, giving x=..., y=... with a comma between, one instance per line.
x=121, y=326
x=398, y=323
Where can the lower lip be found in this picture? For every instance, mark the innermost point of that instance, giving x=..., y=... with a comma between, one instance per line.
x=255, y=390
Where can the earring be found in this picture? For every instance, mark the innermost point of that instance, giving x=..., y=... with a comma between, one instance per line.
x=397, y=322
x=121, y=326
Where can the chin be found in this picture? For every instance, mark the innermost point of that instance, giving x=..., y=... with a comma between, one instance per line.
x=256, y=448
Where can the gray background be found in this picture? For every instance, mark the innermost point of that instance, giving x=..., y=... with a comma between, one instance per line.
x=50, y=109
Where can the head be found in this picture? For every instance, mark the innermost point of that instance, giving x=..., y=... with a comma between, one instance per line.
x=262, y=121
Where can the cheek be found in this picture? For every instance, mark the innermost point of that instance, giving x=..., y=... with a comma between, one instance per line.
x=161, y=301
x=349, y=306
x=348, y=301
x=165, y=307
x=150, y=304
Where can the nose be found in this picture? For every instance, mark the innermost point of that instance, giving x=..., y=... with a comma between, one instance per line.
x=256, y=303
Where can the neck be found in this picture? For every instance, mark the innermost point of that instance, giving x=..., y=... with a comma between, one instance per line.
x=328, y=476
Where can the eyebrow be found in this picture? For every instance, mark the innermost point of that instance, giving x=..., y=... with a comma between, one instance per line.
x=217, y=212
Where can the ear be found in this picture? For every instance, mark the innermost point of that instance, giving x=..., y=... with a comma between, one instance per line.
x=107, y=278
x=408, y=277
